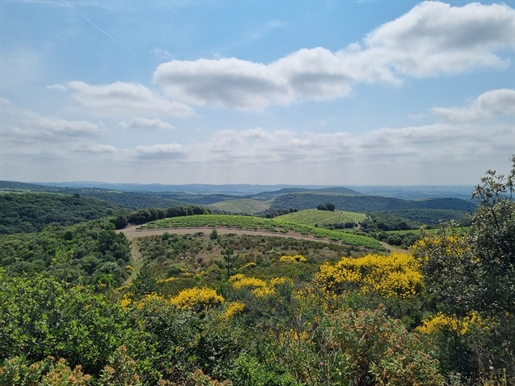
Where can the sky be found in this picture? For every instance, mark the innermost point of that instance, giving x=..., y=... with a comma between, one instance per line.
x=256, y=92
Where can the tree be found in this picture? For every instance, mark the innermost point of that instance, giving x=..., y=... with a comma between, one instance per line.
x=327, y=206
x=121, y=221
x=145, y=282
x=229, y=261
x=472, y=272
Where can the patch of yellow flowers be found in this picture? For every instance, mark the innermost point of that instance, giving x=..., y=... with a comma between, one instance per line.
x=197, y=299
x=258, y=287
x=457, y=326
x=293, y=259
x=397, y=275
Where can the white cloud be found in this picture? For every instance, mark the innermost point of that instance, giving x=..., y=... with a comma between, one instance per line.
x=99, y=148
x=435, y=38
x=431, y=39
x=146, y=124
x=160, y=151
x=26, y=133
x=489, y=104
x=283, y=148
x=48, y=127
x=121, y=98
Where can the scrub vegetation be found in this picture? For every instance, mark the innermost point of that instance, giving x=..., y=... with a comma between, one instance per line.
x=82, y=305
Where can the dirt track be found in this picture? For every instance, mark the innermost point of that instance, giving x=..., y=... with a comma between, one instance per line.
x=131, y=233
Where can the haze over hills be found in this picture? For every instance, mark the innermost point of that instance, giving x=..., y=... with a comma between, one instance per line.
x=405, y=192
x=228, y=198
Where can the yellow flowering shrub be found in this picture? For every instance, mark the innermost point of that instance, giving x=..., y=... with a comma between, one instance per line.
x=293, y=259
x=450, y=245
x=457, y=326
x=234, y=308
x=394, y=275
x=258, y=287
x=197, y=299
x=126, y=301
x=276, y=281
x=240, y=281
x=248, y=266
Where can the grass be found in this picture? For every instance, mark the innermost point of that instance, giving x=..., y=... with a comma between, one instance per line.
x=322, y=218
x=258, y=223
x=241, y=205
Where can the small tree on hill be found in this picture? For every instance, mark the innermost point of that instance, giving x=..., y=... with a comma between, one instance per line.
x=329, y=206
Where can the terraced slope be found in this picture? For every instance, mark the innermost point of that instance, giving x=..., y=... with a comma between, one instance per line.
x=241, y=206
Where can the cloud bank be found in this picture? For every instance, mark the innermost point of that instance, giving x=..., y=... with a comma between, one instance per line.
x=432, y=39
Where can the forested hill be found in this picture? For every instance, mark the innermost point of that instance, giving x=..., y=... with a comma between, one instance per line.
x=130, y=200
x=31, y=212
x=364, y=203
x=284, y=191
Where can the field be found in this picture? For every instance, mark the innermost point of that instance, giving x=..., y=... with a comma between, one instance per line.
x=258, y=223
x=314, y=217
x=241, y=206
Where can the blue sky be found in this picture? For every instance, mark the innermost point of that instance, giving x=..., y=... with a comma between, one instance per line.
x=263, y=92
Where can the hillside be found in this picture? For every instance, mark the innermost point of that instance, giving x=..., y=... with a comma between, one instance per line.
x=281, y=192
x=241, y=206
x=363, y=203
x=31, y=212
x=314, y=217
x=130, y=200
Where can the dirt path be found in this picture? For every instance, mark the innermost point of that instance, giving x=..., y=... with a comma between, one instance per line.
x=132, y=233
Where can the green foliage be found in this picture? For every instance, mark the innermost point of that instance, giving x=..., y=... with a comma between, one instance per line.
x=350, y=347
x=31, y=212
x=241, y=206
x=121, y=370
x=16, y=372
x=146, y=215
x=41, y=316
x=365, y=203
x=257, y=223
x=326, y=206
x=77, y=253
x=144, y=283
x=325, y=219
x=474, y=271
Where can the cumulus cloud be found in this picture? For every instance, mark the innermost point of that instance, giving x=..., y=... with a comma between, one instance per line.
x=146, y=124
x=123, y=99
x=430, y=40
x=489, y=104
x=435, y=38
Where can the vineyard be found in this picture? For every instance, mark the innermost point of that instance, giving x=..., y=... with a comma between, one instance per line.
x=258, y=223
x=242, y=205
x=322, y=218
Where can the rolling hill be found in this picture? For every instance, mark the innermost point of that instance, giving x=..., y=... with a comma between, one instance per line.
x=314, y=217
x=241, y=206
x=364, y=203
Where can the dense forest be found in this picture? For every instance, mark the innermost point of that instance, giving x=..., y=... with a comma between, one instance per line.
x=31, y=212
x=365, y=203
x=83, y=305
